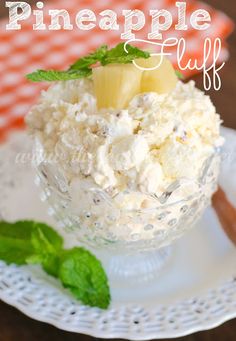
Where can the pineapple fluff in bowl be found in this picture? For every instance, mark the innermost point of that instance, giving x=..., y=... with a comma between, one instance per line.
x=127, y=158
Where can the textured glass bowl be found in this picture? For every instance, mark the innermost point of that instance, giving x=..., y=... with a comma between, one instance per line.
x=131, y=239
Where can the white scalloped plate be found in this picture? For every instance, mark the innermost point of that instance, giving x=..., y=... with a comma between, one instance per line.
x=196, y=290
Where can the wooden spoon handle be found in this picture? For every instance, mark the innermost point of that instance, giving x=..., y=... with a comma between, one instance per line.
x=226, y=213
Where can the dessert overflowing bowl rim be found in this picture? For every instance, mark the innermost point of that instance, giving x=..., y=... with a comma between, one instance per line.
x=162, y=200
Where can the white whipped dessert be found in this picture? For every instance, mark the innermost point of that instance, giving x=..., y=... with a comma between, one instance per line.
x=144, y=148
x=119, y=161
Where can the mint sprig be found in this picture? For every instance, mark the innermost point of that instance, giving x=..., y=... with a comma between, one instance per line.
x=30, y=242
x=83, y=67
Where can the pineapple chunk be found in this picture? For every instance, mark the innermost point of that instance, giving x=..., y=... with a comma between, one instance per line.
x=116, y=84
x=162, y=79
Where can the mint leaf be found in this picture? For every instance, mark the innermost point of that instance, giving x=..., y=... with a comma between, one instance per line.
x=52, y=76
x=46, y=239
x=83, y=274
x=19, y=230
x=91, y=59
x=14, y=251
x=179, y=74
x=15, y=242
x=119, y=55
x=114, y=55
x=47, y=244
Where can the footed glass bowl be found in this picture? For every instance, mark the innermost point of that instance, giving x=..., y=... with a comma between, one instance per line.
x=132, y=244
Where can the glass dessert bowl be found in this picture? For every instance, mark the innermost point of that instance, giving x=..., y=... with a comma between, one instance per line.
x=128, y=160
x=132, y=244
